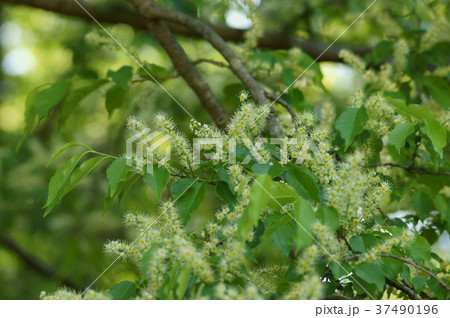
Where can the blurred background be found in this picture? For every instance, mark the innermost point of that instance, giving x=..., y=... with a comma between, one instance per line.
x=39, y=47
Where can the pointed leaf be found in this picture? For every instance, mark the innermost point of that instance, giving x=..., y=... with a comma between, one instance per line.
x=115, y=98
x=50, y=97
x=61, y=149
x=157, y=179
x=304, y=219
x=258, y=201
x=58, y=182
x=80, y=172
x=188, y=195
x=437, y=134
x=398, y=135
x=302, y=181
x=122, y=76
x=123, y=291
x=350, y=123
x=116, y=173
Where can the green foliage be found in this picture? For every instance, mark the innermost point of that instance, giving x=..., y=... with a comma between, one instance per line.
x=157, y=179
x=188, y=195
x=315, y=225
x=398, y=135
x=350, y=123
x=117, y=173
x=123, y=291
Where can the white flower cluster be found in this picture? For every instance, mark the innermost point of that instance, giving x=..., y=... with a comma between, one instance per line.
x=268, y=277
x=438, y=31
x=401, y=51
x=382, y=115
x=353, y=60
x=386, y=247
x=65, y=293
x=355, y=193
x=309, y=288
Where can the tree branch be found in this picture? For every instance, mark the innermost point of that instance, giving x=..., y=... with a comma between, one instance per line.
x=406, y=262
x=419, y=268
x=282, y=103
x=408, y=291
x=410, y=168
x=151, y=10
x=124, y=15
x=186, y=69
x=34, y=263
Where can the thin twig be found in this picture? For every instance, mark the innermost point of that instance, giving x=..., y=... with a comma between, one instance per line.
x=341, y=236
x=418, y=267
x=282, y=103
x=121, y=14
x=186, y=69
x=151, y=10
x=410, y=168
x=210, y=61
x=406, y=262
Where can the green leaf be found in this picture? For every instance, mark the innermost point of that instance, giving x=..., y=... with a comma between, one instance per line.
x=123, y=291
x=419, y=249
x=80, y=172
x=280, y=194
x=224, y=193
x=274, y=169
x=75, y=97
x=340, y=270
x=30, y=114
x=283, y=239
x=63, y=148
x=350, y=123
x=439, y=89
x=116, y=173
x=398, y=135
x=154, y=70
x=157, y=180
x=305, y=219
x=50, y=97
x=372, y=274
x=58, y=182
x=382, y=51
x=437, y=134
x=414, y=110
x=115, y=98
x=419, y=282
x=188, y=194
x=182, y=282
x=302, y=181
x=330, y=217
x=122, y=76
x=258, y=201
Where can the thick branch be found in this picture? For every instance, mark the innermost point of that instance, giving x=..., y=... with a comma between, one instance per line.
x=34, y=263
x=408, y=291
x=123, y=15
x=151, y=10
x=187, y=70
